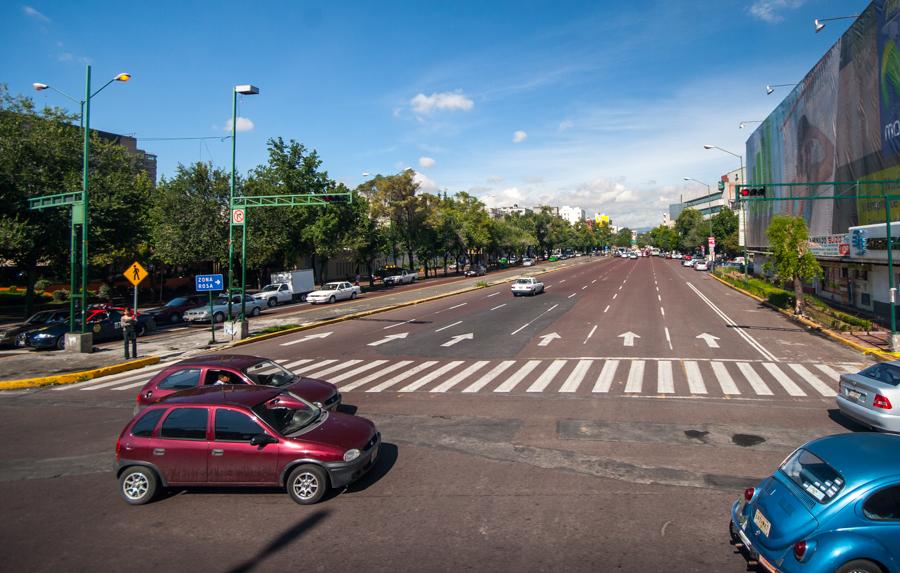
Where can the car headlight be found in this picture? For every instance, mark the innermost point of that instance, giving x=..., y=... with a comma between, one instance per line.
x=43, y=335
x=351, y=455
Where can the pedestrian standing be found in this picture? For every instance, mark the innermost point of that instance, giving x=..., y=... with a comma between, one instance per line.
x=128, y=322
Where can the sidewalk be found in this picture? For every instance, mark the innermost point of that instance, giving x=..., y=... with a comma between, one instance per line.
x=20, y=364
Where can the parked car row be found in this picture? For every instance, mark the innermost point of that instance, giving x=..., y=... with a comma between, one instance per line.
x=241, y=421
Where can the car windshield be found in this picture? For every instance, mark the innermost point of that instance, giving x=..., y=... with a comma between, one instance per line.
x=268, y=373
x=288, y=416
x=818, y=479
x=39, y=318
x=180, y=301
x=886, y=373
x=269, y=288
x=330, y=286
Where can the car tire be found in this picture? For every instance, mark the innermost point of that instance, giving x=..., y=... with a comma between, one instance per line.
x=137, y=485
x=140, y=330
x=307, y=484
x=218, y=317
x=255, y=311
x=271, y=302
x=175, y=317
x=331, y=300
x=352, y=295
x=61, y=342
x=859, y=566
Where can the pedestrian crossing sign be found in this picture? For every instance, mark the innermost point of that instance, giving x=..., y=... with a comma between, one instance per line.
x=135, y=273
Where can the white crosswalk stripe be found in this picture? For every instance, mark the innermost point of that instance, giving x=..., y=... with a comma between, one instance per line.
x=143, y=377
x=811, y=379
x=376, y=376
x=355, y=371
x=520, y=375
x=403, y=376
x=431, y=376
x=665, y=378
x=487, y=378
x=460, y=377
x=147, y=371
x=753, y=379
x=789, y=386
x=635, y=377
x=332, y=369
x=724, y=378
x=547, y=376
x=294, y=364
x=313, y=367
x=694, y=377
x=830, y=372
x=605, y=380
x=574, y=380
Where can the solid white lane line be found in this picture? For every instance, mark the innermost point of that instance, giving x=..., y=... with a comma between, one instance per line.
x=830, y=372
x=574, y=380
x=492, y=294
x=724, y=378
x=399, y=324
x=487, y=378
x=590, y=334
x=290, y=365
x=333, y=369
x=665, y=377
x=457, y=306
x=355, y=371
x=584, y=287
x=573, y=294
x=314, y=366
x=431, y=376
x=620, y=287
x=499, y=306
x=662, y=311
x=615, y=295
x=694, y=378
x=449, y=326
x=547, y=376
x=749, y=339
x=605, y=309
x=523, y=327
x=448, y=384
x=376, y=375
x=635, y=377
x=281, y=360
x=659, y=297
x=782, y=378
x=518, y=376
x=668, y=338
x=813, y=380
x=402, y=376
x=753, y=379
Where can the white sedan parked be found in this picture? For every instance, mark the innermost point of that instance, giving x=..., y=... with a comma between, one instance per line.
x=530, y=286
x=331, y=292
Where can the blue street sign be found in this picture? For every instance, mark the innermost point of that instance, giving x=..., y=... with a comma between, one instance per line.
x=209, y=283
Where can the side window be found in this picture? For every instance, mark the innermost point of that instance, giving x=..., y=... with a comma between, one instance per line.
x=143, y=428
x=185, y=424
x=884, y=504
x=283, y=288
x=181, y=379
x=234, y=426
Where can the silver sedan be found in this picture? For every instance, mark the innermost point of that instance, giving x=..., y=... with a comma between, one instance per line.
x=872, y=396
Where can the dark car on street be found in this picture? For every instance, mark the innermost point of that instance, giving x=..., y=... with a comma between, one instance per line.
x=206, y=370
x=104, y=324
x=173, y=311
x=9, y=334
x=242, y=436
x=476, y=271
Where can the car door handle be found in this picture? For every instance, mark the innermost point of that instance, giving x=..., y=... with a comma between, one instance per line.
x=217, y=452
x=159, y=451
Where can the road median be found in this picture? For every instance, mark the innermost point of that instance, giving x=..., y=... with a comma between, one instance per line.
x=80, y=376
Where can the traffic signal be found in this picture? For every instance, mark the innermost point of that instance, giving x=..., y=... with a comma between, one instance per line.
x=753, y=192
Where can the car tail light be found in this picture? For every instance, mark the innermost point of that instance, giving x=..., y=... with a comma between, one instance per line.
x=748, y=493
x=800, y=550
x=882, y=402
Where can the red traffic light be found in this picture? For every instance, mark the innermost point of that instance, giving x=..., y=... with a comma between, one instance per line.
x=745, y=192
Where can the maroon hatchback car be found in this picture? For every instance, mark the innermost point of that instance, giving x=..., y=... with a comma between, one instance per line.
x=206, y=370
x=242, y=436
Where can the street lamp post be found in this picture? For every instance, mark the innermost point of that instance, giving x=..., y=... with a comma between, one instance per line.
x=770, y=89
x=819, y=25
x=244, y=90
x=80, y=215
x=746, y=121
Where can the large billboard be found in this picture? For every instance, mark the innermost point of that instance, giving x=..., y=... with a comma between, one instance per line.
x=840, y=123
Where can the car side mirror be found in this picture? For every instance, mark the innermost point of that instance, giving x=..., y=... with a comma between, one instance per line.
x=262, y=440
x=319, y=405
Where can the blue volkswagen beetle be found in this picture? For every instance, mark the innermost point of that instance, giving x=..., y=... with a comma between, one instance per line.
x=833, y=505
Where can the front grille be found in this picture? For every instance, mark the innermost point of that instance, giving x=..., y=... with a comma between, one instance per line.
x=371, y=443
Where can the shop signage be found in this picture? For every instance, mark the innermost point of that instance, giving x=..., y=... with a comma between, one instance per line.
x=830, y=245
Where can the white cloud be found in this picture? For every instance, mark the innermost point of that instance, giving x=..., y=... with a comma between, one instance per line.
x=493, y=179
x=512, y=194
x=426, y=104
x=425, y=184
x=519, y=136
x=32, y=13
x=566, y=124
x=426, y=162
x=770, y=10
x=243, y=124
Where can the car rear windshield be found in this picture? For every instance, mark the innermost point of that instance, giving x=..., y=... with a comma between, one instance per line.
x=268, y=373
x=814, y=476
x=523, y=282
x=887, y=373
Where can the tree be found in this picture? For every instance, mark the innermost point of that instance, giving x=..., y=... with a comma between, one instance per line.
x=725, y=230
x=692, y=229
x=393, y=198
x=792, y=261
x=622, y=238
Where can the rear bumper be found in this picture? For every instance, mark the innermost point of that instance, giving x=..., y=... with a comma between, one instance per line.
x=881, y=421
x=742, y=542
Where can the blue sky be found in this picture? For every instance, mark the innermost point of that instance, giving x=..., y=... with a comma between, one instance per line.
x=605, y=104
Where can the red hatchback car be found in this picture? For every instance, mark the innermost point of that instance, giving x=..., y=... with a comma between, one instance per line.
x=206, y=370
x=242, y=436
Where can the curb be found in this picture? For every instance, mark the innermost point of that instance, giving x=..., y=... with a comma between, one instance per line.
x=81, y=376
x=868, y=351
x=364, y=313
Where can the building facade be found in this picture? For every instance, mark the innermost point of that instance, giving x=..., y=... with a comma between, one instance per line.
x=571, y=214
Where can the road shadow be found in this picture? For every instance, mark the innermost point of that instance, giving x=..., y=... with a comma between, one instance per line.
x=287, y=537
x=387, y=457
x=775, y=328
x=838, y=418
x=392, y=320
x=347, y=409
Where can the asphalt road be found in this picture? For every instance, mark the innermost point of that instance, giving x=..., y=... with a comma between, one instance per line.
x=604, y=425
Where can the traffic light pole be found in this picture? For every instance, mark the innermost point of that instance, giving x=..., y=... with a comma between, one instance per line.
x=890, y=253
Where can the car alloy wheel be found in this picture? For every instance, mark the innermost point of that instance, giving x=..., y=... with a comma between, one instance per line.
x=255, y=311
x=140, y=330
x=271, y=302
x=352, y=295
x=138, y=485
x=331, y=300
x=307, y=484
x=218, y=317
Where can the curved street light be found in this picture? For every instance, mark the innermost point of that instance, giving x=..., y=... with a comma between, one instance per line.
x=819, y=25
x=746, y=121
x=770, y=89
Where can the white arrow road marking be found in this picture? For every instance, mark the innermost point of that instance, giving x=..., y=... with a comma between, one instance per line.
x=307, y=337
x=459, y=338
x=548, y=338
x=709, y=339
x=389, y=338
x=448, y=326
x=628, y=338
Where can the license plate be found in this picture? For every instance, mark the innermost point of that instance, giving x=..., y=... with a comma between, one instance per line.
x=762, y=523
x=854, y=395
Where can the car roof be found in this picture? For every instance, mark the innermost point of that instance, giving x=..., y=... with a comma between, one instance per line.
x=229, y=360
x=237, y=395
x=860, y=457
